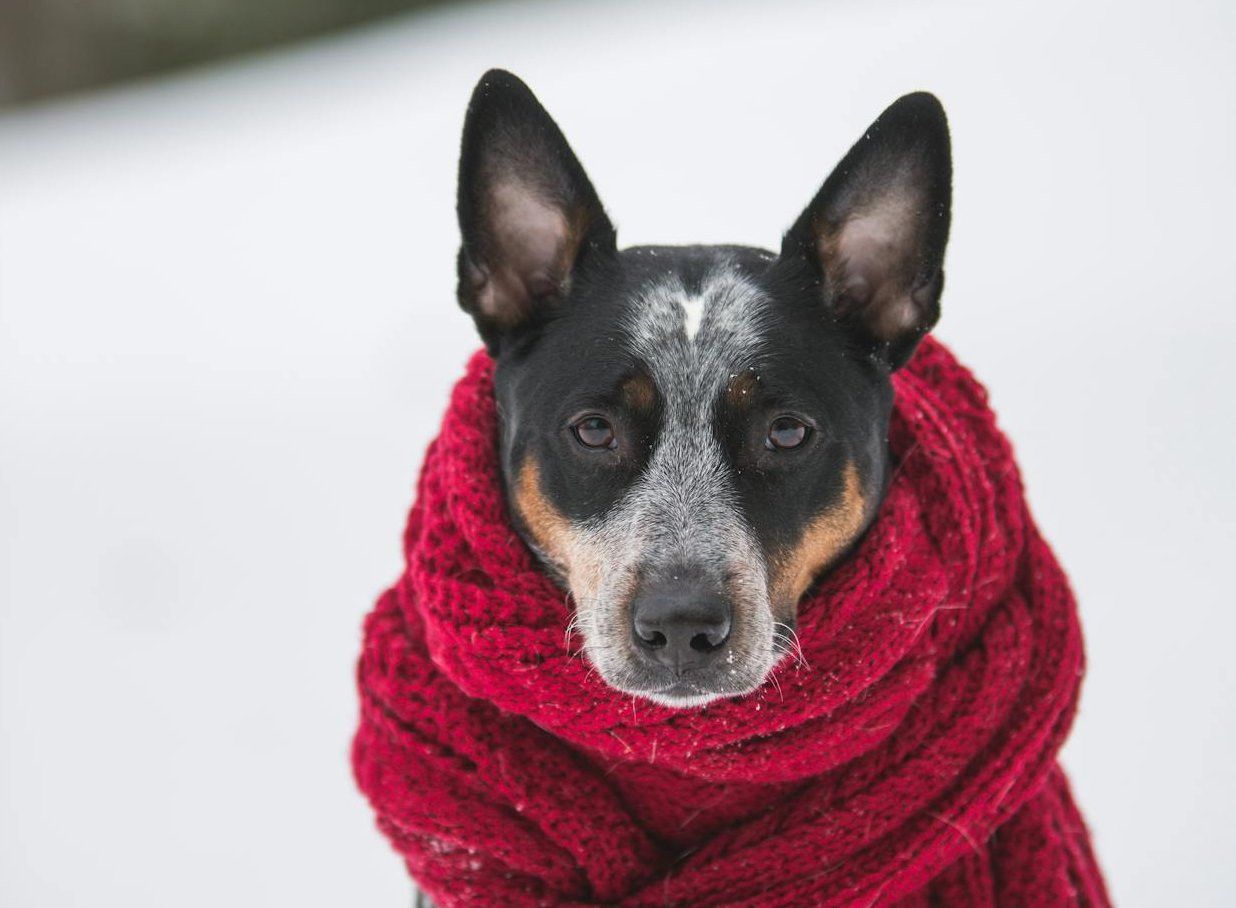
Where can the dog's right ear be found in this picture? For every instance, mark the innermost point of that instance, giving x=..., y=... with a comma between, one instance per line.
x=527, y=213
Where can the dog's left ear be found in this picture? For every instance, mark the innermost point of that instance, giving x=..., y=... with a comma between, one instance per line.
x=527, y=213
x=876, y=231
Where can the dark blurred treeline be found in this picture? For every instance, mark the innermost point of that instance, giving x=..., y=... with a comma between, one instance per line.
x=52, y=46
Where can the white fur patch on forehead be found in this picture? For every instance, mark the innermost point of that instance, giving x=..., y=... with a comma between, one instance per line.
x=693, y=315
x=722, y=320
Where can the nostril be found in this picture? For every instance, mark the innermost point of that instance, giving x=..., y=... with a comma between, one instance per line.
x=708, y=642
x=648, y=634
x=653, y=639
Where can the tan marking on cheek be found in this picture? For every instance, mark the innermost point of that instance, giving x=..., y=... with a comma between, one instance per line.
x=580, y=565
x=821, y=543
x=550, y=529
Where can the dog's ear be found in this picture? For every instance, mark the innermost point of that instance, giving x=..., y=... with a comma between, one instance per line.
x=875, y=232
x=527, y=213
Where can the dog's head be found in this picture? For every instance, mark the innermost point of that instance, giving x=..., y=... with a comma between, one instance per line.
x=691, y=435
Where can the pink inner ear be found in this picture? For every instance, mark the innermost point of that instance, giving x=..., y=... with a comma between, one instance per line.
x=872, y=260
x=530, y=252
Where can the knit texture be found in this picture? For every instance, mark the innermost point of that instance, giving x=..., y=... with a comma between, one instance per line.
x=909, y=758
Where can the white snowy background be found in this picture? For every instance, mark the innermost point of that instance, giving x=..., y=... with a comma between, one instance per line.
x=227, y=332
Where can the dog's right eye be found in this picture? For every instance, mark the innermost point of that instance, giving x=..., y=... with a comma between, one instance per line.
x=595, y=432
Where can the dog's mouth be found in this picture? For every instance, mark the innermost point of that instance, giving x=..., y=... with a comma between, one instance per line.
x=693, y=690
x=687, y=694
x=732, y=675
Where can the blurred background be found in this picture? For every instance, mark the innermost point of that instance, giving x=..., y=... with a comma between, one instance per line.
x=49, y=47
x=227, y=332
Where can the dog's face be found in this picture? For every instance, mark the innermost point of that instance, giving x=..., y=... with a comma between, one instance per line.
x=691, y=435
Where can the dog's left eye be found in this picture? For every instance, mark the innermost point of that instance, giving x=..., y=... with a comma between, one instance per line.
x=595, y=432
x=786, y=433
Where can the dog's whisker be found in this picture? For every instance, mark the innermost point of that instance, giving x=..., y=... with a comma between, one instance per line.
x=792, y=635
x=571, y=627
x=791, y=646
x=772, y=676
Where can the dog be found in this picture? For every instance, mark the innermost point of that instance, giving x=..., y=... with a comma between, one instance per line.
x=690, y=436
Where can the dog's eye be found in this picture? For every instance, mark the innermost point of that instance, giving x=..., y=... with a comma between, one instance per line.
x=786, y=433
x=595, y=432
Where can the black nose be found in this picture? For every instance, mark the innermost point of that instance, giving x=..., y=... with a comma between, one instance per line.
x=681, y=624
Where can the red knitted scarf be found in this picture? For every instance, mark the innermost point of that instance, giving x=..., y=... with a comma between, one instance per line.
x=908, y=759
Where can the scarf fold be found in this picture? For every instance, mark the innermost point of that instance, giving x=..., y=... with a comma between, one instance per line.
x=908, y=757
